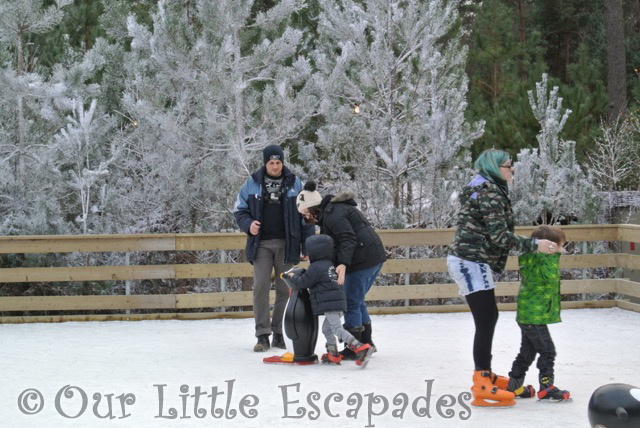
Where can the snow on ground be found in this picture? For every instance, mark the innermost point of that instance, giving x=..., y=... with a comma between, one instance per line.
x=417, y=352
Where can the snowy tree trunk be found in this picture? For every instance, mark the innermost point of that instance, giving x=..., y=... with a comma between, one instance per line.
x=20, y=136
x=85, y=197
x=239, y=103
x=396, y=183
x=411, y=215
x=19, y=50
x=18, y=167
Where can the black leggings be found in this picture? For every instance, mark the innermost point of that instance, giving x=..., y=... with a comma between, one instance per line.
x=485, y=316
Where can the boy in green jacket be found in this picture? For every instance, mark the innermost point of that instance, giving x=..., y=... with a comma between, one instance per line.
x=538, y=305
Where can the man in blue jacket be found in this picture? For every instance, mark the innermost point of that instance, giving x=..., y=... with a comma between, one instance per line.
x=266, y=211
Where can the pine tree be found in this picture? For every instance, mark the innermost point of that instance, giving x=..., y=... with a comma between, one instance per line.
x=393, y=102
x=504, y=60
x=564, y=26
x=550, y=186
x=32, y=107
x=209, y=87
x=613, y=162
x=512, y=45
x=84, y=159
x=586, y=97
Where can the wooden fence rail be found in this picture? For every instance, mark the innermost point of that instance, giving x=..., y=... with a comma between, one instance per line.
x=235, y=241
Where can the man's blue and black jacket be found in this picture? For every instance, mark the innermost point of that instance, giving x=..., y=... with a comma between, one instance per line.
x=249, y=205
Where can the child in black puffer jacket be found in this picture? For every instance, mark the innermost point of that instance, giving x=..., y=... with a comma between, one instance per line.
x=328, y=299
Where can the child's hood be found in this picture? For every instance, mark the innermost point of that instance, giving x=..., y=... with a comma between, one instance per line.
x=319, y=247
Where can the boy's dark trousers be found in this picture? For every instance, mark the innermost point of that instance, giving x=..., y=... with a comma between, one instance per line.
x=535, y=340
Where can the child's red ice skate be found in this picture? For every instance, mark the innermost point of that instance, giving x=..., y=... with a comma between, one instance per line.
x=363, y=351
x=525, y=391
x=517, y=386
x=548, y=392
x=551, y=393
x=332, y=356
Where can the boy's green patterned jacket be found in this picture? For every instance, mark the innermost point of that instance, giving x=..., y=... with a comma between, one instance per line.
x=539, y=296
x=485, y=226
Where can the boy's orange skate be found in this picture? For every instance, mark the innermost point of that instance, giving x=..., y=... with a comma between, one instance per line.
x=486, y=394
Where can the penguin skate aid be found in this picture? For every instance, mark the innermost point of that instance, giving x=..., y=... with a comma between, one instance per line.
x=300, y=326
x=326, y=298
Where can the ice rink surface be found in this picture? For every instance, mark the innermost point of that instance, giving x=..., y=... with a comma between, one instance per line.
x=205, y=374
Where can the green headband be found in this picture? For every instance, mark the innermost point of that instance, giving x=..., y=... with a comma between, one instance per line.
x=488, y=165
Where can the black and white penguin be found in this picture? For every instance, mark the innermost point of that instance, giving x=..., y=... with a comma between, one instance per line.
x=616, y=405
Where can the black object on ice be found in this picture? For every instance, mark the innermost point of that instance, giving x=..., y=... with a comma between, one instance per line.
x=616, y=405
x=300, y=325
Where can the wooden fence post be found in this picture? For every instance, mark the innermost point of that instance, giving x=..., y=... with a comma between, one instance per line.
x=223, y=280
x=407, y=278
x=127, y=283
x=585, y=273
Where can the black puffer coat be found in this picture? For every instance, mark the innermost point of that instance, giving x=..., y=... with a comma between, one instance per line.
x=357, y=245
x=320, y=278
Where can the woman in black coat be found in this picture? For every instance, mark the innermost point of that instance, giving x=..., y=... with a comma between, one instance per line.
x=359, y=253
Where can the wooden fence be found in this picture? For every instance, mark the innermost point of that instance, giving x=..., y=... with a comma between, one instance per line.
x=624, y=291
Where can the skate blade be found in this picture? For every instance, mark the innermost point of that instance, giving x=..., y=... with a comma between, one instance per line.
x=481, y=402
x=365, y=361
x=286, y=359
x=329, y=362
x=555, y=400
x=566, y=396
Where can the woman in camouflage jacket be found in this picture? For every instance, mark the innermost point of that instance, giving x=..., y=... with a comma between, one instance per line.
x=483, y=239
